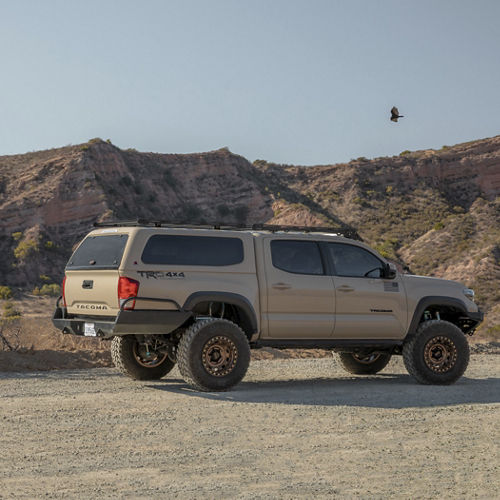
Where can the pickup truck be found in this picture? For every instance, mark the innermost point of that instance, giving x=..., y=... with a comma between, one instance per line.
x=202, y=297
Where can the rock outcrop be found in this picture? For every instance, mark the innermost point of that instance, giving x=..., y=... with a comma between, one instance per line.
x=435, y=211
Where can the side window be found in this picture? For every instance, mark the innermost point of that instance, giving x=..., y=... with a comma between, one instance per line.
x=193, y=250
x=350, y=260
x=299, y=257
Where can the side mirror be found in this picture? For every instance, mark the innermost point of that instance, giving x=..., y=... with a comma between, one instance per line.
x=390, y=271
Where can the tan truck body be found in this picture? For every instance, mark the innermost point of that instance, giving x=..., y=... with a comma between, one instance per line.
x=286, y=305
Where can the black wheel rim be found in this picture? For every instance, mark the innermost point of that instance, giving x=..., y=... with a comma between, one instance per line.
x=146, y=356
x=440, y=354
x=219, y=356
x=366, y=359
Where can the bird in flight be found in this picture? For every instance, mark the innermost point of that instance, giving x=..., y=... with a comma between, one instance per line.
x=395, y=114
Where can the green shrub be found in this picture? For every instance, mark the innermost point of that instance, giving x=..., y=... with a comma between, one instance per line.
x=84, y=148
x=405, y=152
x=51, y=290
x=438, y=226
x=17, y=236
x=9, y=312
x=5, y=292
x=50, y=245
x=25, y=248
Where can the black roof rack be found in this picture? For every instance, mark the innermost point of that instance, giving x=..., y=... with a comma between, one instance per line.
x=346, y=232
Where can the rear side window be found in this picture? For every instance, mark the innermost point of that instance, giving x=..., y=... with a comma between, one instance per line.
x=299, y=257
x=350, y=260
x=193, y=250
x=99, y=252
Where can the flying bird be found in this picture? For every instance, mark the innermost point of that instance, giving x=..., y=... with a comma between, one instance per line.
x=395, y=114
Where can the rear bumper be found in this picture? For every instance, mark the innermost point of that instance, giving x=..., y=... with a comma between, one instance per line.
x=140, y=322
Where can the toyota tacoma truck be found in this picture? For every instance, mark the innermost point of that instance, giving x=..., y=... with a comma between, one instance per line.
x=202, y=297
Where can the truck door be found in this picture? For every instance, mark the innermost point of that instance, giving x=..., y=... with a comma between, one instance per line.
x=300, y=295
x=367, y=305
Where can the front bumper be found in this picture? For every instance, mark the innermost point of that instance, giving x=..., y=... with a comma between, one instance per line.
x=471, y=321
x=141, y=322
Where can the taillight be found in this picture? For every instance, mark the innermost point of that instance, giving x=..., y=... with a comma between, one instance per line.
x=127, y=287
x=63, y=292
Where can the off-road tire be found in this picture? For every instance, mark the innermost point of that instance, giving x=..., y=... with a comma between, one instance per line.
x=353, y=363
x=438, y=353
x=122, y=354
x=211, y=337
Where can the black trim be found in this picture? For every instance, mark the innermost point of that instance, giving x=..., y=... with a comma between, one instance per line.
x=476, y=316
x=149, y=322
x=228, y=298
x=329, y=343
x=151, y=299
x=426, y=302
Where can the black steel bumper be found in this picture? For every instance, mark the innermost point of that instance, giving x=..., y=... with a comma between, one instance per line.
x=126, y=322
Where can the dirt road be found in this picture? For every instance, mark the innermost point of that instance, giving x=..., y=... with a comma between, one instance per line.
x=293, y=428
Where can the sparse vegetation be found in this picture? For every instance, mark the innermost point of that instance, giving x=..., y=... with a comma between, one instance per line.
x=9, y=312
x=25, y=248
x=5, y=292
x=52, y=290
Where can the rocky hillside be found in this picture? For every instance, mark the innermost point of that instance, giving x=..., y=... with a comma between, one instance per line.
x=437, y=212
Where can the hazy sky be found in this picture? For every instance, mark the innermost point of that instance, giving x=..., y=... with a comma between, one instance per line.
x=289, y=81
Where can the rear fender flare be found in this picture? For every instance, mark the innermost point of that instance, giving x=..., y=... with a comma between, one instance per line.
x=229, y=298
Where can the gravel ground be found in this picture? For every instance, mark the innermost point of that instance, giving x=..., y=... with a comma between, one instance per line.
x=293, y=428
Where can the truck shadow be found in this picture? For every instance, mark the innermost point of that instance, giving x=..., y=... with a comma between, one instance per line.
x=382, y=391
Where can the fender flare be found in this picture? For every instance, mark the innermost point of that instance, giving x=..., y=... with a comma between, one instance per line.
x=437, y=300
x=229, y=298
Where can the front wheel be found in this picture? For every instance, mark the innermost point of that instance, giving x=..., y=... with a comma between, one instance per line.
x=438, y=353
x=213, y=355
x=364, y=364
x=138, y=359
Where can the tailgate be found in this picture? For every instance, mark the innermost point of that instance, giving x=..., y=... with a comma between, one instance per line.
x=92, y=293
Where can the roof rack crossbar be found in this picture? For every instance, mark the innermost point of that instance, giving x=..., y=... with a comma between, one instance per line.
x=274, y=228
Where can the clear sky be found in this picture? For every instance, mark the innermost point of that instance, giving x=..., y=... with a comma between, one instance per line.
x=290, y=81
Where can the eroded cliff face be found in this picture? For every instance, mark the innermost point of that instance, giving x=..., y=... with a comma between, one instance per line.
x=436, y=211
x=49, y=200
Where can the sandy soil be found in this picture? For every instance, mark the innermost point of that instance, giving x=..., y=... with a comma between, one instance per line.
x=293, y=428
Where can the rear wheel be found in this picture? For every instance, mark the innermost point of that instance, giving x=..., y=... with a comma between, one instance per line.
x=213, y=355
x=438, y=353
x=364, y=364
x=139, y=360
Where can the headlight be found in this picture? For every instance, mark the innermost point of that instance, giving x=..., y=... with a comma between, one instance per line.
x=469, y=293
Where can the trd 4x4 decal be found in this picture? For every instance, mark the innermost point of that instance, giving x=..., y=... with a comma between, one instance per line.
x=161, y=274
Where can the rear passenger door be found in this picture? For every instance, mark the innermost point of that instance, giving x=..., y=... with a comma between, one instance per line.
x=367, y=305
x=300, y=295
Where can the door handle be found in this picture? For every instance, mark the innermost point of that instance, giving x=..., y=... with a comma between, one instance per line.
x=281, y=286
x=345, y=288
